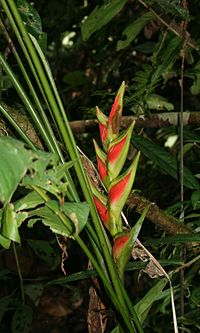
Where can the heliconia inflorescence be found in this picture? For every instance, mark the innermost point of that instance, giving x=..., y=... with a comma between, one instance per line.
x=110, y=161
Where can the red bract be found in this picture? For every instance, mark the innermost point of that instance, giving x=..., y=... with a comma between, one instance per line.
x=115, y=114
x=102, y=210
x=103, y=133
x=102, y=169
x=118, y=188
x=116, y=150
x=115, y=109
x=119, y=244
x=101, y=162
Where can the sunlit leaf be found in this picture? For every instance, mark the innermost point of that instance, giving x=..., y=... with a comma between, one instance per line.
x=78, y=214
x=100, y=16
x=9, y=224
x=73, y=221
x=5, y=242
x=51, y=220
x=15, y=160
x=31, y=200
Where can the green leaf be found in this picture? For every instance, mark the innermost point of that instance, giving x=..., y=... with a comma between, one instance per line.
x=157, y=102
x=133, y=29
x=143, y=306
x=164, y=160
x=74, y=220
x=78, y=214
x=51, y=220
x=168, y=57
x=15, y=160
x=195, y=199
x=30, y=201
x=4, y=242
x=9, y=224
x=22, y=319
x=100, y=16
x=30, y=17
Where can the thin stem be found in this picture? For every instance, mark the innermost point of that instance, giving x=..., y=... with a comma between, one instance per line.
x=177, y=33
x=19, y=273
x=25, y=99
x=185, y=37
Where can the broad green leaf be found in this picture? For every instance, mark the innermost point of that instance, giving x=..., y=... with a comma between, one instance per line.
x=133, y=29
x=9, y=224
x=51, y=220
x=21, y=217
x=74, y=220
x=22, y=319
x=164, y=160
x=144, y=305
x=100, y=16
x=78, y=214
x=30, y=17
x=30, y=201
x=157, y=102
x=15, y=160
x=4, y=242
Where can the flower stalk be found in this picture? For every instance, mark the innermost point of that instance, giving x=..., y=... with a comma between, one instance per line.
x=110, y=162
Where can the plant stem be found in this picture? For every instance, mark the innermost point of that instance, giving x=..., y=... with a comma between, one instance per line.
x=19, y=273
x=98, y=269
